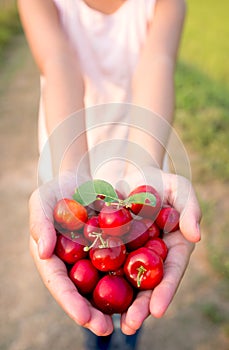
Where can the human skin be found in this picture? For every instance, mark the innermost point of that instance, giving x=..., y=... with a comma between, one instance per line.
x=152, y=85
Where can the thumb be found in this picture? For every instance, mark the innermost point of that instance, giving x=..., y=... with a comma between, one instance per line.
x=41, y=227
x=183, y=198
x=190, y=221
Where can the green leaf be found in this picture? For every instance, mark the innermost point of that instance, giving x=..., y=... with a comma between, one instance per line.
x=145, y=198
x=91, y=190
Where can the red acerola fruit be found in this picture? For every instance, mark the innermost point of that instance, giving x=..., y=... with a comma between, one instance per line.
x=91, y=228
x=144, y=268
x=137, y=235
x=159, y=246
x=153, y=229
x=70, y=250
x=168, y=219
x=147, y=211
x=115, y=220
x=110, y=255
x=113, y=294
x=69, y=214
x=84, y=275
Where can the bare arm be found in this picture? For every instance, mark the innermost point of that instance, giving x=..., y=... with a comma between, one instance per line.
x=153, y=81
x=63, y=95
x=64, y=88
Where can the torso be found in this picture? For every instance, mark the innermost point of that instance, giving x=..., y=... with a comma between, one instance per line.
x=108, y=42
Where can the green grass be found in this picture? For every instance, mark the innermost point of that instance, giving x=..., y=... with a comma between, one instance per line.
x=218, y=247
x=202, y=119
x=205, y=43
x=217, y=242
x=202, y=115
x=9, y=24
x=213, y=313
x=202, y=82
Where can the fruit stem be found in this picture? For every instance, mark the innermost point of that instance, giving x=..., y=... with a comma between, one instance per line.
x=118, y=203
x=92, y=234
x=97, y=236
x=141, y=271
x=103, y=242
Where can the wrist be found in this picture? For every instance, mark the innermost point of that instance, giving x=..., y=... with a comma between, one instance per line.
x=150, y=174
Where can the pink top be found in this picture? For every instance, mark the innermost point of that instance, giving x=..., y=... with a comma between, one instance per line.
x=108, y=48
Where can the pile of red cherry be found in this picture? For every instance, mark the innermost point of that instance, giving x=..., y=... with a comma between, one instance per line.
x=113, y=247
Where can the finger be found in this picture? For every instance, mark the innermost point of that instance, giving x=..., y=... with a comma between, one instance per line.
x=133, y=319
x=41, y=207
x=181, y=195
x=54, y=274
x=41, y=226
x=99, y=324
x=190, y=218
x=174, y=267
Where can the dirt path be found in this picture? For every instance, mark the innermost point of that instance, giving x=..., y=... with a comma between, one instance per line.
x=30, y=319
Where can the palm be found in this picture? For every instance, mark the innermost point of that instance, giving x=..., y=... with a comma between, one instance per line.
x=157, y=302
x=178, y=192
x=54, y=274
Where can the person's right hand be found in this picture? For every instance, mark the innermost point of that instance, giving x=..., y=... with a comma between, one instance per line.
x=52, y=270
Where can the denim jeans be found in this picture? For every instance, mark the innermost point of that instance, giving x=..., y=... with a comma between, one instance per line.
x=116, y=340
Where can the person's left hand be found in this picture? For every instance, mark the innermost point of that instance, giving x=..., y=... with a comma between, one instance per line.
x=178, y=192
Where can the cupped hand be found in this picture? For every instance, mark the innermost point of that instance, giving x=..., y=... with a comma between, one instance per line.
x=52, y=270
x=178, y=192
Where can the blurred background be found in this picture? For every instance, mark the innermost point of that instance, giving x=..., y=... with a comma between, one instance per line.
x=199, y=316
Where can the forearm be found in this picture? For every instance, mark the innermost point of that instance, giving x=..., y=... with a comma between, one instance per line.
x=153, y=89
x=63, y=84
x=65, y=119
x=153, y=80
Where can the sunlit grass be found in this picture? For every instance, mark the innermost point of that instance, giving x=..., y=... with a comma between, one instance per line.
x=203, y=120
x=205, y=43
x=213, y=313
x=202, y=115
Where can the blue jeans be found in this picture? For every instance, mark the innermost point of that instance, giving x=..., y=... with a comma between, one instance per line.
x=116, y=340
